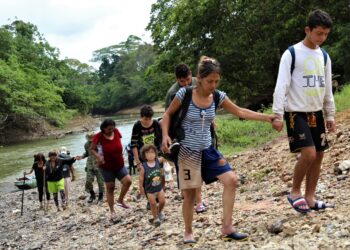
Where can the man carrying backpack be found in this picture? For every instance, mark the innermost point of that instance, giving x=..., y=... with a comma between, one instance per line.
x=183, y=75
x=303, y=91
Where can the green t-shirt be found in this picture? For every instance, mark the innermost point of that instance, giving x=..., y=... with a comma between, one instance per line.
x=173, y=90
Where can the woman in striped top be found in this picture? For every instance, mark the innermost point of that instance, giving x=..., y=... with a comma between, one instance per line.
x=198, y=160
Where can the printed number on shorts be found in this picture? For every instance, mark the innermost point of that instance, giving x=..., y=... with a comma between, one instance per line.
x=187, y=174
x=323, y=139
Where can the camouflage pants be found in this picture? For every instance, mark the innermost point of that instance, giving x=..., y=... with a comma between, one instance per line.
x=90, y=176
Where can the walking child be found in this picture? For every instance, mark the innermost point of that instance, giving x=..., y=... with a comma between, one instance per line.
x=150, y=181
x=39, y=170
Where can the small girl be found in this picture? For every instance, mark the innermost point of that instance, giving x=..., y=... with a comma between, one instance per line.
x=151, y=181
x=39, y=170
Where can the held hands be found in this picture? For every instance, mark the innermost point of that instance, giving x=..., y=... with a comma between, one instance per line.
x=78, y=158
x=100, y=159
x=277, y=122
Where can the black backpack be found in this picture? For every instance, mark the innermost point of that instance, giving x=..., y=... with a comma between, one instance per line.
x=176, y=132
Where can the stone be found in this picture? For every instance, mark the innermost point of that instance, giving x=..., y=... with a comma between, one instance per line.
x=342, y=177
x=316, y=228
x=276, y=227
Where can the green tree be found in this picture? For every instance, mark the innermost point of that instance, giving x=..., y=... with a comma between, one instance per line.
x=247, y=37
x=123, y=75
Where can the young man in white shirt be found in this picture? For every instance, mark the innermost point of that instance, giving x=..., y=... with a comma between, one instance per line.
x=303, y=92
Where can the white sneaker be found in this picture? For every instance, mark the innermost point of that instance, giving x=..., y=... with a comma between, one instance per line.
x=161, y=216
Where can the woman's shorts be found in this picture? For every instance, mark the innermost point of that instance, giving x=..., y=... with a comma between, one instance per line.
x=110, y=175
x=195, y=166
x=55, y=186
x=211, y=166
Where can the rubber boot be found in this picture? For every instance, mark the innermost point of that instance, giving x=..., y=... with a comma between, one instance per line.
x=100, y=197
x=92, y=196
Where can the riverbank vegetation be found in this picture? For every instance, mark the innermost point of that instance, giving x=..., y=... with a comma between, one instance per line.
x=235, y=135
x=246, y=37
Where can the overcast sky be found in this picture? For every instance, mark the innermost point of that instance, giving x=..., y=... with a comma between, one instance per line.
x=78, y=27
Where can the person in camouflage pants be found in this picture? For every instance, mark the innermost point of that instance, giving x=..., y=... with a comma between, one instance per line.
x=92, y=171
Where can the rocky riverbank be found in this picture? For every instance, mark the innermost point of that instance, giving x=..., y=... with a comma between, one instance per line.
x=261, y=210
x=40, y=129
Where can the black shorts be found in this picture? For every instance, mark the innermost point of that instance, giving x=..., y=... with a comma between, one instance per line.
x=110, y=175
x=305, y=130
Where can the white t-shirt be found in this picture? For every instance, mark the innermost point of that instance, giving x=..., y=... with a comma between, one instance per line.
x=309, y=88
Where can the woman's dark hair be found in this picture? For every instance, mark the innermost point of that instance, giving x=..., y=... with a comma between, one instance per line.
x=52, y=153
x=208, y=65
x=39, y=157
x=146, y=111
x=319, y=18
x=146, y=148
x=182, y=71
x=106, y=123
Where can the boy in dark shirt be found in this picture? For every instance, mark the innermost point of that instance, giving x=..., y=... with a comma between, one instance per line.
x=145, y=131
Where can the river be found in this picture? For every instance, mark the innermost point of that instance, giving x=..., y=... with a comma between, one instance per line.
x=17, y=158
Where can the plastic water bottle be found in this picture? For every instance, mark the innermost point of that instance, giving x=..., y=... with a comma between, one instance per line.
x=99, y=149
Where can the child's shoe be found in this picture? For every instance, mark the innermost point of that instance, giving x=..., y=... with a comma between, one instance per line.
x=156, y=222
x=161, y=216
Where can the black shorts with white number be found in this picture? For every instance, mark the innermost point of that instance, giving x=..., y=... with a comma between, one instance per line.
x=306, y=129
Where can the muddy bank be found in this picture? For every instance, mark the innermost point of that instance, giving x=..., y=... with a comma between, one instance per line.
x=40, y=129
x=157, y=107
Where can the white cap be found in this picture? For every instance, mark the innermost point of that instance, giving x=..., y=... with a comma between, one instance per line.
x=63, y=150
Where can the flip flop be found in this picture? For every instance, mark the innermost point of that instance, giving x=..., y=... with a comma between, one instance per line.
x=190, y=241
x=115, y=219
x=234, y=236
x=297, y=203
x=201, y=209
x=320, y=205
x=123, y=205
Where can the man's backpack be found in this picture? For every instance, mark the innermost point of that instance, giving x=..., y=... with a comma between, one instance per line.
x=292, y=52
x=176, y=132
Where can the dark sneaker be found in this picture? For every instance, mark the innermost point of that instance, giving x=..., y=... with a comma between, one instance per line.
x=174, y=151
x=156, y=222
x=174, y=148
x=100, y=198
x=92, y=197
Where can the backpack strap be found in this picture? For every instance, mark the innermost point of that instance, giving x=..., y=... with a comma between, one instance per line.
x=325, y=56
x=216, y=99
x=185, y=103
x=292, y=52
